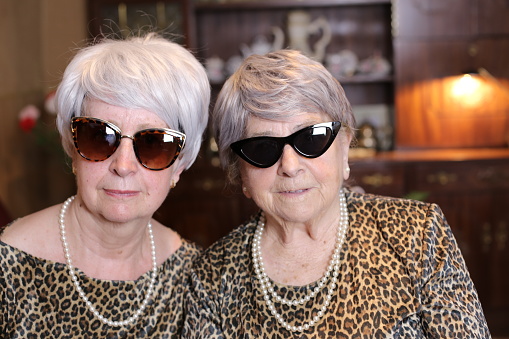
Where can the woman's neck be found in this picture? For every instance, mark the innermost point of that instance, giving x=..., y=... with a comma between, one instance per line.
x=298, y=254
x=117, y=251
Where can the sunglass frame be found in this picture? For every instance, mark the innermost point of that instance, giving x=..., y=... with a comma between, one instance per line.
x=333, y=126
x=118, y=137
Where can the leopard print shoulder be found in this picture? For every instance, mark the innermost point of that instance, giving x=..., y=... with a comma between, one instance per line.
x=402, y=275
x=38, y=299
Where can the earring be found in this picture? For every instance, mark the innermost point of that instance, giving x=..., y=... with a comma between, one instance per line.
x=347, y=169
x=172, y=185
x=73, y=170
x=244, y=188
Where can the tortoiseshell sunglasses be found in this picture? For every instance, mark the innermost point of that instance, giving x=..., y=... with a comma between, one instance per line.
x=97, y=139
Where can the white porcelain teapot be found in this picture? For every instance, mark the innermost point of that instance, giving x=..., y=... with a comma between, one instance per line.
x=300, y=28
x=261, y=44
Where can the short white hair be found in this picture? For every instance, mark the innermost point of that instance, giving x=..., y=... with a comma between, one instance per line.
x=146, y=72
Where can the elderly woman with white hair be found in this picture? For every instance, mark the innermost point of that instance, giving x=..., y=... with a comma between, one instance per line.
x=131, y=114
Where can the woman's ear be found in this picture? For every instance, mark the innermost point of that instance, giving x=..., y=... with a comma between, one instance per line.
x=177, y=171
x=246, y=192
x=346, y=171
x=346, y=140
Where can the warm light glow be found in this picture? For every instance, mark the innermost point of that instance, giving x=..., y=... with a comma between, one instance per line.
x=466, y=85
x=468, y=90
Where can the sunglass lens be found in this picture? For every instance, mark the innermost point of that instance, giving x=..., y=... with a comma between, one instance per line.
x=95, y=141
x=156, y=149
x=263, y=152
x=313, y=142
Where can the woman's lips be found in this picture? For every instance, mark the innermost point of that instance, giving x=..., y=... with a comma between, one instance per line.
x=295, y=191
x=123, y=193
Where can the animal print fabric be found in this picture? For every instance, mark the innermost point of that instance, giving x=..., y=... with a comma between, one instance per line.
x=39, y=300
x=401, y=276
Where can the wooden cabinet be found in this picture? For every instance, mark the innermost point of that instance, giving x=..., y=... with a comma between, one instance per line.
x=201, y=208
x=472, y=188
x=377, y=177
x=361, y=26
x=123, y=17
x=474, y=196
x=435, y=42
x=435, y=18
x=493, y=17
x=490, y=254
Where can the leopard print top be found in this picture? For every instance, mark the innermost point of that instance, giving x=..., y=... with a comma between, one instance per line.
x=401, y=276
x=39, y=300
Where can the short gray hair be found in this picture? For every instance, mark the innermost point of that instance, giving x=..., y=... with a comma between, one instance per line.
x=144, y=72
x=274, y=86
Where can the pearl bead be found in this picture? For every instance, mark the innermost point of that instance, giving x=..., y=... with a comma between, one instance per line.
x=331, y=273
x=80, y=291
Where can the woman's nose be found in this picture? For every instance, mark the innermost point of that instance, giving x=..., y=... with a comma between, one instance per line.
x=124, y=159
x=290, y=162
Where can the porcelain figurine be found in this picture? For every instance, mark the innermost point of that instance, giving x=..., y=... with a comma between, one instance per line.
x=342, y=64
x=375, y=65
x=232, y=64
x=214, y=67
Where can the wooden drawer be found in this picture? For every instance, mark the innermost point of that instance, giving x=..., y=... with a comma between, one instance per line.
x=459, y=176
x=378, y=177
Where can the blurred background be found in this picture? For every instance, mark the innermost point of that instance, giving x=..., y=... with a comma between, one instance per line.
x=428, y=81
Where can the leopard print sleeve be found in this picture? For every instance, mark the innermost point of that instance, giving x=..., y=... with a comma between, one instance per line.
x=216, y=304
x=450, y=307
x=202, y=315
x=7, y=297
x=3, y=306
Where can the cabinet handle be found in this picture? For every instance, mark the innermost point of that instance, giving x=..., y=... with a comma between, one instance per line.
x=442, y=178
x=501, y=236
x=486, y=237
x=377, y=180
x=493, y=176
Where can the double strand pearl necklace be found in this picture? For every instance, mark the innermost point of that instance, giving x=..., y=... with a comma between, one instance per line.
x=132, y=319
x=332, y=272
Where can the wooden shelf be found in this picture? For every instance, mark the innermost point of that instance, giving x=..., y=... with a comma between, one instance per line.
x=366, y=79
x=352, y=80
x=268, y=4
x=237, y=23
x=438, y=155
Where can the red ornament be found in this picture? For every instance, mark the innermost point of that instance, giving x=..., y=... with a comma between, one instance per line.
x=28, y=117
x=27, y=124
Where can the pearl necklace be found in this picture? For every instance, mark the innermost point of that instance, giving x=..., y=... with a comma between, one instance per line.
x=331, y=274
x=132, y=319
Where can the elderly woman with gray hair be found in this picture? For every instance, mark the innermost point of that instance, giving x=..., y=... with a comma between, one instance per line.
x=131, y=114
x=318, y=260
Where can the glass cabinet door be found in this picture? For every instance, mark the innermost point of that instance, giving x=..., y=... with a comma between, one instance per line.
x=115, y=18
